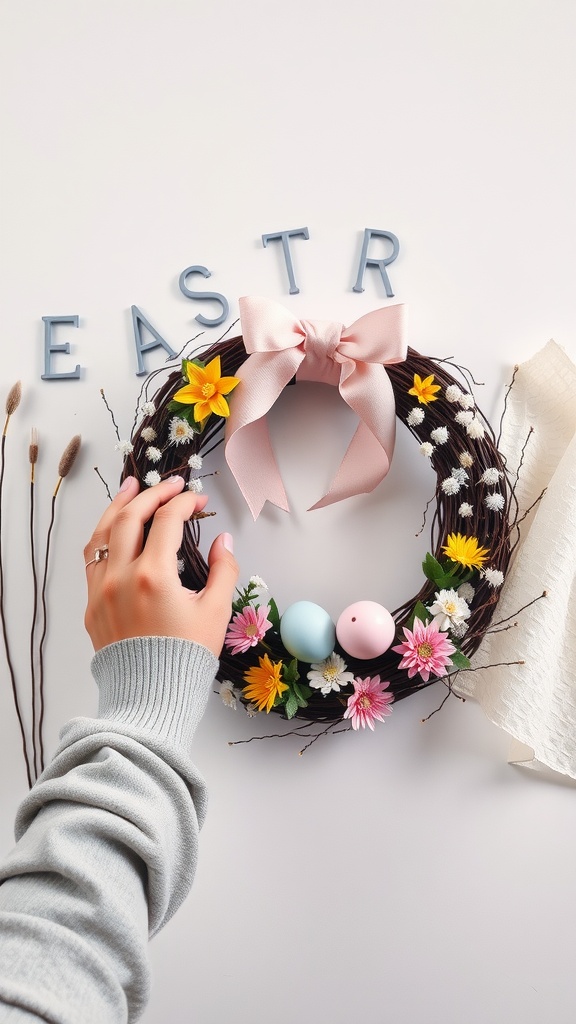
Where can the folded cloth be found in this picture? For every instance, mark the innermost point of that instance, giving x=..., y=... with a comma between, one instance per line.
x=535, y=703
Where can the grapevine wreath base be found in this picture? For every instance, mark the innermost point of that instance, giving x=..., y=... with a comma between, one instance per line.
x=471, y=526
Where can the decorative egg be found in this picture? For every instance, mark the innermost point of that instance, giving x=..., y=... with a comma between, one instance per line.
x=307, y=631
x=365, y=630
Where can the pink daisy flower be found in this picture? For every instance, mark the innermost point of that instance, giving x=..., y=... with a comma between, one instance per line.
x=247, y=629
x=425, y=650
x=368, y=703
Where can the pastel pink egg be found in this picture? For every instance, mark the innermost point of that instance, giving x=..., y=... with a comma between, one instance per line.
x=365, y=630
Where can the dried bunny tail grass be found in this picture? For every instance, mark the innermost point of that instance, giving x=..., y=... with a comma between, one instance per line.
x=12, y=401
x=69, y=456
x=33, y=451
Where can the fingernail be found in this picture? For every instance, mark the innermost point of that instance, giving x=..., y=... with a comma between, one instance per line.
x=175, y=479
x=228, y=542
x=126, y=483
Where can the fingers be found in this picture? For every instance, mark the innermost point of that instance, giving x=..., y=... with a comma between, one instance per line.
x=223, y=574
x=127, y=525
x=127, y=492
x=165, y=536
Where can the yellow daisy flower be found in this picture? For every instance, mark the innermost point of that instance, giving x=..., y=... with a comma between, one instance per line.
x=465, y=550
x=425, y=390
x=206, y=390
x=264, y=683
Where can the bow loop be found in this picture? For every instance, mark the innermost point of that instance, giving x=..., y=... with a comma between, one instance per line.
x=353, y=358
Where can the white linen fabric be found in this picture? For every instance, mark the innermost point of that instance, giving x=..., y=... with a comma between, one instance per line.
x=536, y=702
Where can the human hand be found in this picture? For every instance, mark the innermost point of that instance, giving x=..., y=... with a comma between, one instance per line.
x=136, y=590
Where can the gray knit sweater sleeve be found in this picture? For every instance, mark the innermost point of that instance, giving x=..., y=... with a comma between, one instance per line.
x=107, y=841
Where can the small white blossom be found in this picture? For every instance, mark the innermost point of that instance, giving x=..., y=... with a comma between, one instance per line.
x=330, y=674
x=426, y=448
x=148, y=409
x=460, y=475
x=475, y=428
x=414, y=417
x=494, y=577
x=148, y=433
x=466, y=592
x=258, y=582
x=180, y=565
x=453, y=393
x=179, y=430
x=449, y=610
x=124, y=447
x=439, y=435
x=464, y=418
x=251, y=709
x=152, y=478
x=195, y=485
x=466, y=460
x=229, y=694
x=466, y=401
x=195, y=462
x=450, y=485
x=491, y=476
x=154, y=454
x=495, y=501
x=465, y=510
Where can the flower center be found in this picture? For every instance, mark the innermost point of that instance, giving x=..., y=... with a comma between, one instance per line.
x=450, y=607
x=425, y=650
x=208, y=390
x=365, y=701
x=251, y=630
x=330, y=673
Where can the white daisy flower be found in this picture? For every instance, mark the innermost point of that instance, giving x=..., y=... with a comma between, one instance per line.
x=465, y=510
x=450, y=485
x=474, y=428
x=453, y=393
x=124, y=447
x=439, y=435
x=195, y=485
x=464, y=418
x=229, y=694
x=466, y=401
x=180, y=565
x=148, y=433
x=460, y=475
x=330, y=674
x=466, y=592
x=465, y=460
x=148, y=409
x=257, y=582
x=152, y=478
x=494, y=577
x=426, y=448
x=414, y=417
x=449, y=610
x=495, y=501
x=195, y=462
x=491, y=476
x=179, y=430
x=154, y=454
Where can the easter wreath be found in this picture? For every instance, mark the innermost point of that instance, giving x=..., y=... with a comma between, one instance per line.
x=430, y=636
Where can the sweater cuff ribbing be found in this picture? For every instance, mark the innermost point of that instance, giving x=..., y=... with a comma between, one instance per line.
x=156, y=684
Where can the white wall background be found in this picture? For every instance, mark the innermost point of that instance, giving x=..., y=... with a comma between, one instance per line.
x=410, y=875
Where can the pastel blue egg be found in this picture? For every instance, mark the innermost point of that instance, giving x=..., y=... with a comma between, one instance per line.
x=307, y=631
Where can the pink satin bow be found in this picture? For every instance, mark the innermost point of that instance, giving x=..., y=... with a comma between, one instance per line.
x=353, y=358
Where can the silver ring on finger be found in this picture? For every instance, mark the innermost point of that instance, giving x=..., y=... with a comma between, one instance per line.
x=100, y=555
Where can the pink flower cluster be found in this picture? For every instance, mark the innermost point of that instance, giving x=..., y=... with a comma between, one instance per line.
x=425, y=650
x=368, y=703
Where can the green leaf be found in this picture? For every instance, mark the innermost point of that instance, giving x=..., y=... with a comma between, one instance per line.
x=460, y=660
x=291, y=673
x=291, y=706
x=273, y=614
x=418, y=612
x=432, y=569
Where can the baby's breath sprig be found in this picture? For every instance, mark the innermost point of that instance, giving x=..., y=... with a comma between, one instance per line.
x=67, y=460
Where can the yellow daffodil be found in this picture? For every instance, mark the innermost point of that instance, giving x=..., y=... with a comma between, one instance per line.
x=465, y=550
x=425, y=390
x=264, y=683
x=206, y=389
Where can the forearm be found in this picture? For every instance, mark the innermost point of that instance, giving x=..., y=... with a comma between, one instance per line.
x=107, y=841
